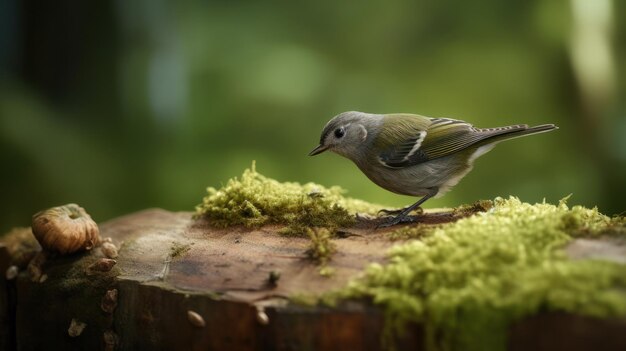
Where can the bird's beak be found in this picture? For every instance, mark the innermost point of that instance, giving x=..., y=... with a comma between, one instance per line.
x=318, y=150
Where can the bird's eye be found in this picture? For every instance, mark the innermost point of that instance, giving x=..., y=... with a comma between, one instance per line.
x=340, y=132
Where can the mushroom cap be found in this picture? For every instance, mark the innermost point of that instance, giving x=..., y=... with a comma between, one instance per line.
x=65, y=229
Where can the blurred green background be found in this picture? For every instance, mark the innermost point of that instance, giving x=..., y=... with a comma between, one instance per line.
x=124, y=105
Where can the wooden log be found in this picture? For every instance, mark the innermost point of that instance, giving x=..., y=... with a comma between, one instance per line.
x=170, y=264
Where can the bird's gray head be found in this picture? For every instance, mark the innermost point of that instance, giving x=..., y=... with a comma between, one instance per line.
x=344, y=134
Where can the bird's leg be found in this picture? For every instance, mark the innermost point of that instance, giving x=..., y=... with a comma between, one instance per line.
x=403, y=216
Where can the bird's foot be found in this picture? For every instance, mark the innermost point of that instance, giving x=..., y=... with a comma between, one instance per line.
x=398, y=211
x=396, y=220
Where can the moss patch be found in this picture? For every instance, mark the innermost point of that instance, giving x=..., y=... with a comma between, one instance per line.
x=321, y=248
x=71, y=291
x=478, y=206
x=179, y=249
x=255, y=200
x=467, y=281
x=309, y=210
x=412, y=232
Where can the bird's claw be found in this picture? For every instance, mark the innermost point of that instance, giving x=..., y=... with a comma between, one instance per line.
x=396, y=220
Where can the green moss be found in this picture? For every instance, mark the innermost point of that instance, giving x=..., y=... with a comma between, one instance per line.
x=71, y=291
x=321, y=248
x=420, y=230
x=478, y=206
x=412, y=232
x=179, y=249
x=467, y=281
x=326, y=271
x=255, y=200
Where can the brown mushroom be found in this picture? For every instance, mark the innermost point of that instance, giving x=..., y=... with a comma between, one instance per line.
x=65, y=229
x=109, y=250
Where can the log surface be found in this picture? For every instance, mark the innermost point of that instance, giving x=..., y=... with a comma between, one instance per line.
x=170, y=264
x=190, y=256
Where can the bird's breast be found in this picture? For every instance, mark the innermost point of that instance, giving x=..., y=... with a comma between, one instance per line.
x=412, y=181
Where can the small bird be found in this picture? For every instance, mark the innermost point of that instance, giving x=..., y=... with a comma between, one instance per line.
x=411, y=154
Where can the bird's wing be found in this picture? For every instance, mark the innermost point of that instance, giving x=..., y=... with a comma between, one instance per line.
x=412, y=139
x=401, y=138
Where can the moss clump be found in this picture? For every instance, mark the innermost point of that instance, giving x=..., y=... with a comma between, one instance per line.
x=179, y=249
x=478, y=206
x=322, y=247
x=255, y=200
x=467, y=281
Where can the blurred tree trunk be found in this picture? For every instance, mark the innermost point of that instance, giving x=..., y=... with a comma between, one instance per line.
x=593, y=61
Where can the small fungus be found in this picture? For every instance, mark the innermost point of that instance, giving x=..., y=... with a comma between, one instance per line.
x=110, y=340
x=101, y=265
x=109, y=301
x=261, y=316
x=195, y=319
x=11, y=272
x=76, y=328
x=109, y=250
x=35, y=266
x=65, y=229
x=34, y=272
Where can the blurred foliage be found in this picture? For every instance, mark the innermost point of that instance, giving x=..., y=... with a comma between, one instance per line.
x=120, y=106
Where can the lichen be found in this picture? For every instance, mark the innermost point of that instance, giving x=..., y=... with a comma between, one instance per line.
x=255, y=200
x=179, y=249
x=466, y=282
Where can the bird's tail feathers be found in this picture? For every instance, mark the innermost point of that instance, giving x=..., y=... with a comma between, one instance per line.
x=517, y=131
